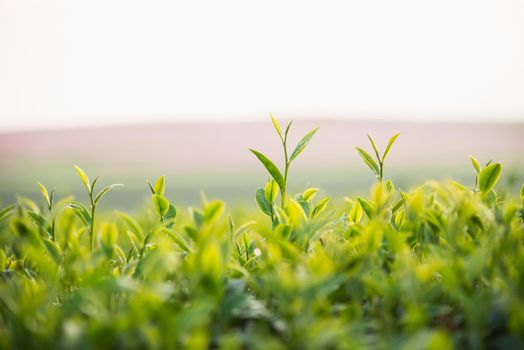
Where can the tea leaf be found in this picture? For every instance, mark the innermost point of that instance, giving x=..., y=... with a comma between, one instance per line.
x=489, y=176
x=161, y=204
x=160, y=185
x=367, y=206
x=390, y=143
x=104, y=191
x=213, y=210
x=271, y=191
x=81, y=212
x=374, y=146
x=287, y=129
x=302, y=144
x=276, y=125
x=4, y=213
x=320, y=207
x=475, y=163
x=40, y=221
x=83, y=177
x=309, y=194
x=262, y=202
x=368, y=160
x=45, y=194
x=271, y=168
x=356, y=212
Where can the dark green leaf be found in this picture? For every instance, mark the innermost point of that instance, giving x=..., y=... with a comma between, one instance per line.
x=271, y=168
x=262, y=202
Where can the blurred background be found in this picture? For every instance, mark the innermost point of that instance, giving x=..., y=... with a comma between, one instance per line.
x=135, y=89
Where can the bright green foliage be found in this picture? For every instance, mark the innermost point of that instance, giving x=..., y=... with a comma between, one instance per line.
x=377, y=167
x=88, y=216
x=273, y=170
x=436, y=267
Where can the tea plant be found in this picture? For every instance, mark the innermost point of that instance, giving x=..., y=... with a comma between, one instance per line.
x=376, y=167
x=440, y=266
x=273, y=170
x=88, y=216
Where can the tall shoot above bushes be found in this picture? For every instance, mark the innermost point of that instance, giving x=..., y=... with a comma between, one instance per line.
x=376, y=167
x=288, y=159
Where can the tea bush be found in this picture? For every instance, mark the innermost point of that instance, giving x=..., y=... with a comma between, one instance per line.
x=437, y=267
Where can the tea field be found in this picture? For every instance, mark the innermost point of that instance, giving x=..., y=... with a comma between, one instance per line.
x=437, y=266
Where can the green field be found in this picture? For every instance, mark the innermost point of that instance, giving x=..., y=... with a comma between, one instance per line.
x=438, y=265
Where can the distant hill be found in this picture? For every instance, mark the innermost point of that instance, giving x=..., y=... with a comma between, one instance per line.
x=215, y=157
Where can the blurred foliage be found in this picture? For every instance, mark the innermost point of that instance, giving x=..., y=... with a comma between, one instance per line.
x=439, y=267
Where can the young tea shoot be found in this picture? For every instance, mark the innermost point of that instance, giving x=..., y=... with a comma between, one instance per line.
x=276, y=174
x=88, y=215
x=377, y=167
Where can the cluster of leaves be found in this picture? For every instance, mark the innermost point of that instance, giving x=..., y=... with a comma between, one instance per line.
x=437, y=267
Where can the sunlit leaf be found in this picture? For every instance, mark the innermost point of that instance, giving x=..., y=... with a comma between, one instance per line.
x=302, y=144
x=489, y=176
x=271, y=168
x=368, y=160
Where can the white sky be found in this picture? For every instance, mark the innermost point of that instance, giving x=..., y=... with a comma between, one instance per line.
x=65, y=63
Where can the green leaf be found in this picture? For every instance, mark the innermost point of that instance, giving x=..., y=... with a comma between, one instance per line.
x=302, y=144
x=262, y=202
x=309, y=194
x=287, y=129
x=93, y=184
x=84, y=178
x=356, y=212
x=171, y=213
x=374, y=146
x=40, y=221
x=367, y=206
x=271, y=191
x=160, y=185
x=320, y=207
x=161, y=205
x=475, y=163
x=390, y=143
x=4, y=213
x=131, y=224
x=271, y=168
x=368, y=160
x=276, y=125
x=104, y=191
x=489, y=176
x=213, y=210
x=53, y=250
x=81, y=211
x=150, y=187
x=45, y=194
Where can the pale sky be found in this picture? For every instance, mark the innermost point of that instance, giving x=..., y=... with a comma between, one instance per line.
x=70, y=63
